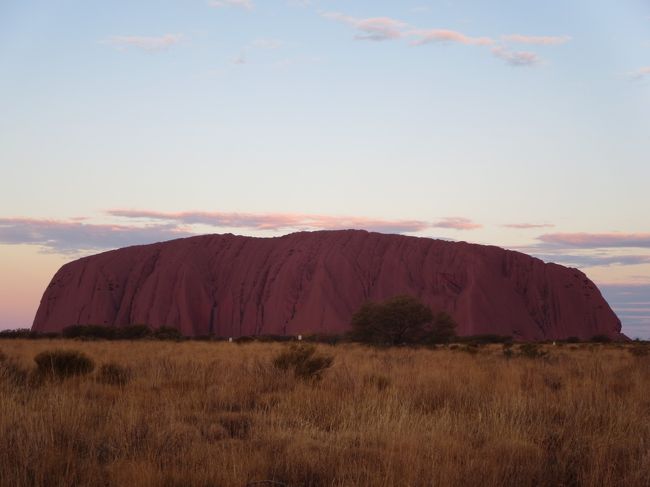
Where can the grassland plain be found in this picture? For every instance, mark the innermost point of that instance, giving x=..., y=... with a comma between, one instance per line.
x=220, y=414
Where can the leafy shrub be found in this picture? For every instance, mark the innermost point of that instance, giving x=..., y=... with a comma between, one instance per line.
x=275, y=338
x=401, y=320
x=167, y=333
x=601, y=339
x=63, y=363
x=106, y=332
x=88, y=332
x=573, y=340
x=26, y=333
x=304, y=361
x=470, y=348
x=639, y=350
x=114, y=374
x=324, y=338
x=485, y=339
x=531, y=350
x=132, y=332
x=244, y=339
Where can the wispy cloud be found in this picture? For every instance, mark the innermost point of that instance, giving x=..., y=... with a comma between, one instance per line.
x=145, y=43
x=240, y=58
x=386, y=28
x=266, y=44
x=373, y=28
x=597, y=240
x=516, y=58
x=73, y=236
x=457, y=223
x=597, y=260
x=527, y=226
x=641, y=73
x=79, y=236
x=275, y=221
x=447, y=36
x=539, y=40
x=245, y=4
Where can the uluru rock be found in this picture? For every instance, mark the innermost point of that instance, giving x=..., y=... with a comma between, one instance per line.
x=312, y=282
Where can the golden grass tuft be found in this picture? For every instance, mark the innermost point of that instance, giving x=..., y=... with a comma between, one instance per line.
x=218, y=414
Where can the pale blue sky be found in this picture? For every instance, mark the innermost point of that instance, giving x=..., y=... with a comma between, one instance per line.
x=499, y=113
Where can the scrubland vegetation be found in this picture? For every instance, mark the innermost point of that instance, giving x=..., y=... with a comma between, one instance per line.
x=164, y=413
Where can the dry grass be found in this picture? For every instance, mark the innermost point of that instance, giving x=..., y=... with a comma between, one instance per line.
x=219, y=414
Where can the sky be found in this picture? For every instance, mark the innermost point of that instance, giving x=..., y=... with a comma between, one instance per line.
x=523, y=124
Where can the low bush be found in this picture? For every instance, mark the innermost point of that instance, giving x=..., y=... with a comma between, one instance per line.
x=114, y=374
x=275, y=338
x=323, y=338
x=401, y=320
x=485, y=339
x=639, y=350
x=61, y=364
x=470, y=348
x=167, y=333
x=106, y=332
x=601, y=339
x=304, y=361
x=26, y=333
x=245, y=339
x=88, y=332
x=132, y=332
x=531, y=350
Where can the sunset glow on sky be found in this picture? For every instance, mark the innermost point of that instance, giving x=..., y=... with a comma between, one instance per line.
x=518, y=124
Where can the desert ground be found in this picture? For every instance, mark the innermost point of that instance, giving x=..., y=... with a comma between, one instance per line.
x=222, y=414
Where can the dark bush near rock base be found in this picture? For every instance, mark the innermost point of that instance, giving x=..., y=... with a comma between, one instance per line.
x=104, y=332
x=60, y=364
x=114, y=374
x=531, y=350
x=401, y=320
x=304, y=361
x=601, y=339
x=167, y=333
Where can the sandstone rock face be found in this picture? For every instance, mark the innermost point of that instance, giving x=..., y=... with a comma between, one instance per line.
x=312, y=282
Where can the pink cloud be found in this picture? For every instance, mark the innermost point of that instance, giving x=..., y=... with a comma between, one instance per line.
x=443, y=35
x=245, y=4
x=539, y=40
x=526, y=226
x=516, y=58
x=457, y=223
x=275, y=221
x=371, y=29
x=641, y=73
x=146, y=43
x=73, y=236
x=595, y=240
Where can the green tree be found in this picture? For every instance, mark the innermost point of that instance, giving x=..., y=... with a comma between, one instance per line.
x=401, y=319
